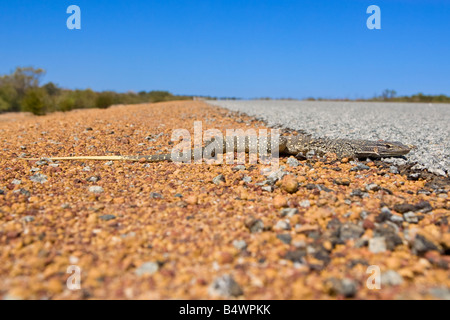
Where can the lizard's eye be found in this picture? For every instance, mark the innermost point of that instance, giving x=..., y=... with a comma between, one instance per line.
x=388, y=146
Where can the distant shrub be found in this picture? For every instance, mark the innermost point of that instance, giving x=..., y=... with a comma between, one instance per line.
x=35, y=101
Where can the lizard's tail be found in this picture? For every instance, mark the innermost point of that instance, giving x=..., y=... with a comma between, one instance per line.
x=152, y=158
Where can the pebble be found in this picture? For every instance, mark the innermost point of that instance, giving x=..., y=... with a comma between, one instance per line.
x=255, y=225
x=350, y=231
x=360, y=167
x=219, y=179
x=292, y=162
x=285, y=238
x=247, y=179
x=305, y=204
x=225, y=286
x=239, y=167
x=93, y=179
x=288, y=212
x=391, y=278
x=394, y=170
x=240, y=244
x=289, y=184
x=96, y=189
x=377, y=245
x=410, y=217
x=345, y=287
x=39, y=178
x=279, y=201
x=282, y=225
x=28, y=218
x=107, y=217
x=16, y=182
x=372, y=187
x=422, y=245
x=147, y=268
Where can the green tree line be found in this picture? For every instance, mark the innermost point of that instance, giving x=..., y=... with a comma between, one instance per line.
x=21, y=90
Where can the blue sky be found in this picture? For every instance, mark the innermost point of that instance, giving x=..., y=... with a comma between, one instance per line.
x=257, y=48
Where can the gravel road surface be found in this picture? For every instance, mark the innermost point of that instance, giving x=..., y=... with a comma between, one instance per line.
x=420, y=124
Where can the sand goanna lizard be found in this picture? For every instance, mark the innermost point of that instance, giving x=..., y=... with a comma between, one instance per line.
x=299, y=146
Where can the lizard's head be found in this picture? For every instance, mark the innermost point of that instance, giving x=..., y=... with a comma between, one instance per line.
x=381, y=149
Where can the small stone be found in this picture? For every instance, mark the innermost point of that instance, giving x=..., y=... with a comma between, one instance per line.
x=372, y=187
x=2, y=191
x=391, y=278
x=414, y=176
x=240, y=244
x=305, y=204
x=441, y=293
x=93, y=179
x=285, y=238
x=279, y=201
x=267, y=188
x=39, y=178
x=289, y=184
x=147, y=268
x=28, y=218
x=368, y=224
x=342, y=181
x=87, y=169
x=410, y=217
x=225, y=286
x=404, y=207
x=292, y=162
x=282, y=225
x=360, y=167
x=350, y=231
x=109, y=163
x=377, y=245
x=384, y=215
x=16, y=182
x=255, y=225
x=424, y=207
x=156, y=195
x=393, y=169
x=219, y=179
x=96, y=189
x=288, y=212
x=345, y=287
x=357, y=193
x=422, y=245
x=239, y=167
x=247, y=179
x=107, y=217
x=296, y=255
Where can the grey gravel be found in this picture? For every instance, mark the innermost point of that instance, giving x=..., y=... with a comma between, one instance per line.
x=225, y=286
x=305, y=204
x=282, y=225
x=96, y=189
x=377, y=244
x=28, y=218
x=107, y=217
x=219, y=179
x=39, y=178
x=391, y=278
x=292, y=162
x=289, y=212
x=147, y=268
x=240, y=244
x=421, y=124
